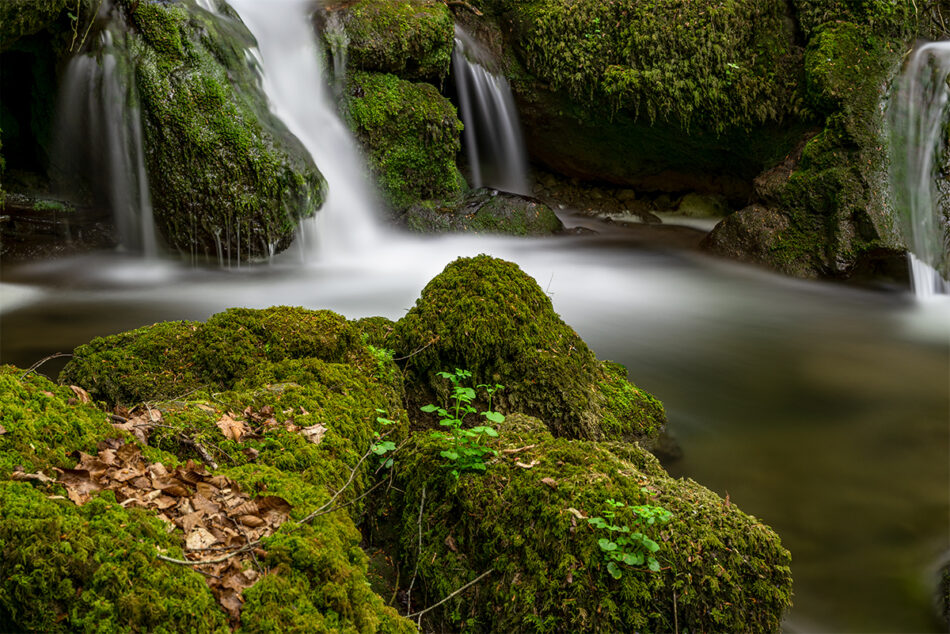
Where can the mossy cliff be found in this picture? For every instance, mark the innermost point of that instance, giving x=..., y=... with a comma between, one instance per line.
x=525, y=521
x=411, y=135
x=289, y=403
x=226, y=176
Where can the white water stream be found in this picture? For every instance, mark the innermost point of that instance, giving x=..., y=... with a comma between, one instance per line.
x=821, y=409
x=918, y=114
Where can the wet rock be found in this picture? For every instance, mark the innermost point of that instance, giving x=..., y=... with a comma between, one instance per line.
x=485, y=211
x=703, y=206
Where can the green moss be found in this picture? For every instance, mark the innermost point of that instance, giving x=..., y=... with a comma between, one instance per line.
x=200, y=107
x=19, y=18
x=886, y=17
x=42, y=428
x=410, y=38
x=92, y=568
x=487, y=316
x=722, y=569
x=722, y=67
x=170, y=359
x=411, y=136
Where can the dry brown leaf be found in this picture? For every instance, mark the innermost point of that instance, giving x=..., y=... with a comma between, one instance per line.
x=232, y=429
x=200, y=538
x=3, y=430
x=79, y=485
x=551, y=482
x=314, y=433
x=81, y=394
x=190, y=521
x=164, y=502
x=231, y=602
x=251, y=520
x=206, y=408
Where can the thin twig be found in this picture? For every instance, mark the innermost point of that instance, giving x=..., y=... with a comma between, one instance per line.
x=44, y=360
x=88, y=28
x=676, y=621
x=465, y=587
x=320, y=510
x=188, y=562
x=418, y=552
x=518, y=450
x=412, y=354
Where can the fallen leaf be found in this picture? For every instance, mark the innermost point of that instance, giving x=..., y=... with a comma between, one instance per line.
x=251, y=520
x=199, y=539
x=451, y=544
x=232, y=429
x=314, y=433
x=81, y=394
x=573, y=511
x=3, y=430
x=551, y=482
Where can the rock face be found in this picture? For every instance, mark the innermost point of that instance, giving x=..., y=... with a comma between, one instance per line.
x=225, y=175
x=410, y=134
x=667, y=97
x=485, y=211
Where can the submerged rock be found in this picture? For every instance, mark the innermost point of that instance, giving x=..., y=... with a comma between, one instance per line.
x=487, y=316
x=485, y=211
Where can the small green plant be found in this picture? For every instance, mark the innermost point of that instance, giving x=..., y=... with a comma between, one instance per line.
x=385, y=369
x=627, y=546
x=467, y=450
x=382, y=447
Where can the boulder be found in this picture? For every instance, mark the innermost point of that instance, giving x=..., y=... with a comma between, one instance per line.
x=485, y=211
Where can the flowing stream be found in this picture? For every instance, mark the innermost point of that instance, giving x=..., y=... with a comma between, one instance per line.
x=819, y=408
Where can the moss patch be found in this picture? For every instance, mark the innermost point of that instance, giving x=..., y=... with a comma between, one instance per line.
x=487, y=316
x=410, y=38
x=411, y=136
x=721, y=569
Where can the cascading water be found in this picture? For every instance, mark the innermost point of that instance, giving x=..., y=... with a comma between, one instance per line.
x=918, y=127
x=295, y=85
x=493, y=140
x=99, y=140
x=339, y=41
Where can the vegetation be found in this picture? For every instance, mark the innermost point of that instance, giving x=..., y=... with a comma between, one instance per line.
x=411, y=136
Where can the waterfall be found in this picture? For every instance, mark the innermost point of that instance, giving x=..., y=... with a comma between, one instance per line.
x=339, y=41
x=98, y=141
x=295, y=85
x=918, y=128
x=493, y=138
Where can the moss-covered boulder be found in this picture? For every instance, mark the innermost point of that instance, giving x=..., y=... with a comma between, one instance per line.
x=484, y=211
x=410, y=134
x=227, y=179
x=169, y=359
x=716, y=569
x=411, y=38
x=487, y=316
x=67, y=567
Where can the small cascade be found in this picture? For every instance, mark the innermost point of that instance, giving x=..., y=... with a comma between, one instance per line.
x=918, y=129
x=339, y=41
x=493, y=140
x=293, y=81
x=98, y=141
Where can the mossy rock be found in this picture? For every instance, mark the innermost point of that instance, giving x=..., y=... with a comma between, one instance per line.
x=68, y=568
x=227, y=179
x=487, y=316
x=720, y=570
x=20, y=18
x=93, y=568
x=167, y=360
x=410, y=134
x=484, y=211
x=410, y=38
